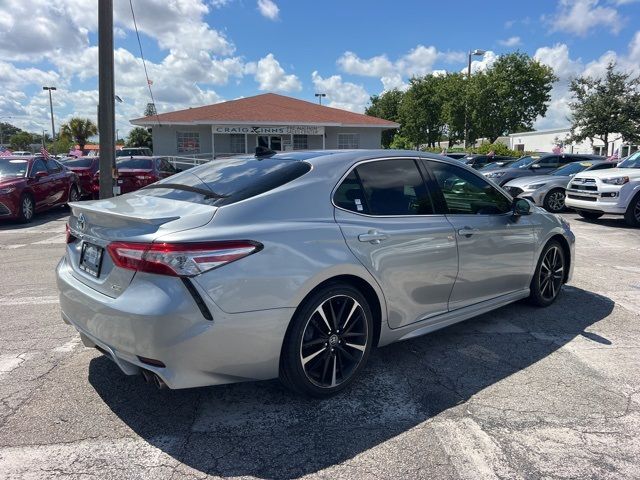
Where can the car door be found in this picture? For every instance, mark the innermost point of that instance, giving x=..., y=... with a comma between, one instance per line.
x=495, y=248
x=389, y=222
x=57, y=183
x=545, y=165
x=40, y=185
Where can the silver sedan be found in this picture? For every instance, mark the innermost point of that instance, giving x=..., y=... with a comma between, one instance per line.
x=296, y=265
x=548, y=191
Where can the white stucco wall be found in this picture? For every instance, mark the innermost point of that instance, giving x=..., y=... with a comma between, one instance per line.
x=545, y=141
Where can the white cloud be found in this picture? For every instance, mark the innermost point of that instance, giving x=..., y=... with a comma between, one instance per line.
x=272, y=77
x=511, y=42
x=418, y=61
x=558, y=57
x=581, y=16
x=268, y=9
x=345, y=95
x=488, y=59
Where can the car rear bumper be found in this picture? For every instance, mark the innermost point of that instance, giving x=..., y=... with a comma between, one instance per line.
x=157, y=318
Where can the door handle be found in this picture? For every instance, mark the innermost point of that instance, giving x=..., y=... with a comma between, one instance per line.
x=468, y=231
x=373, y=236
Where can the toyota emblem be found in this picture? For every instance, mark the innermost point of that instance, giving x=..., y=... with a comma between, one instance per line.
x=81, y=223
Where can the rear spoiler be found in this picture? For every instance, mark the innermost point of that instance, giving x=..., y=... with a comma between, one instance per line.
x=76, y=208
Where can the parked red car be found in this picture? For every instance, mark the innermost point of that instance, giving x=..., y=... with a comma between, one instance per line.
x=137, y=172
x=85, y=168
x=29, y=185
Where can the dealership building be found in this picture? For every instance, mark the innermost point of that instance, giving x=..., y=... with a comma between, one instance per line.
x=269, y=120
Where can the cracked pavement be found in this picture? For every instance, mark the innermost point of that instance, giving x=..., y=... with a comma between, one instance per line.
x=517, y=393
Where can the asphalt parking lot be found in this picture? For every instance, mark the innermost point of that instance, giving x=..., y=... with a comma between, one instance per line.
x=517, y=393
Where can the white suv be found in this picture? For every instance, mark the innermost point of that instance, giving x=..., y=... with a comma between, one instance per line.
x=615, y=191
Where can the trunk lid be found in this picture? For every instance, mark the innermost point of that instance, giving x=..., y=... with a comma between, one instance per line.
x=134, y=218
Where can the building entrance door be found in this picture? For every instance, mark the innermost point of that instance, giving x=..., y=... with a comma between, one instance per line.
x=274, y=142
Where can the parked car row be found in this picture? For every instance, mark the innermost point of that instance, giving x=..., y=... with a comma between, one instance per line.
x=29, y=185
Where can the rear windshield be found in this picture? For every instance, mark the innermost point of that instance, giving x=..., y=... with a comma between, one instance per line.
x=231, y=180
x=137, y=163
x=80, y=162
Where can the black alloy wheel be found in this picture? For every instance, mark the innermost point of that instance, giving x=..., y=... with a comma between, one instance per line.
x=549, y=275
x=328, y=343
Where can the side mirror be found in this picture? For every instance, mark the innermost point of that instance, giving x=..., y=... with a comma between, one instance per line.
x=42, y=174
x=521, y=207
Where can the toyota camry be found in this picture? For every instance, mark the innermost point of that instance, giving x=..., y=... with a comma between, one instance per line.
x=296, y=265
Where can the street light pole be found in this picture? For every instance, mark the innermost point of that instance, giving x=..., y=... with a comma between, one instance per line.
x=475, y=53
x=53, y=128
x=320, y=96
x=106, y=100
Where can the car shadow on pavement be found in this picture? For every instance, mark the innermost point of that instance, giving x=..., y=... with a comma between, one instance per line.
x=38, y=220
x=606, y=221
x=262, y=430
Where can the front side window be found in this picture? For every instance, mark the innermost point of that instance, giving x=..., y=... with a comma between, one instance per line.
x=38, y=166
x=348, y=140
x=237, y=143
x=550, y=161
x=468, y=194
x=188, y=142
x=53, y=166
x=385, y=187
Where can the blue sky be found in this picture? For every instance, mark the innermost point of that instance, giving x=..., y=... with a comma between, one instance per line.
x=205, y=51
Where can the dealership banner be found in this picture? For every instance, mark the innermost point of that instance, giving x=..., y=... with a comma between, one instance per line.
x=279, y=130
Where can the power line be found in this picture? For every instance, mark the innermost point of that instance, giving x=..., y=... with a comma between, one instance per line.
x=144, y=63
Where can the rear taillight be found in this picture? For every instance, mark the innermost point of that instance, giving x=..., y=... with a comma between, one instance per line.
x=179, y=259
x=146, y=178
x=70, y=237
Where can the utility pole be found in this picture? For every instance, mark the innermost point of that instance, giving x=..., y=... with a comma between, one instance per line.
x=106, y=111
x=475, y=53
x=53, y=128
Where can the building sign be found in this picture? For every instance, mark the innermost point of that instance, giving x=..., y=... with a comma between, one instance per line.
x=279, y=130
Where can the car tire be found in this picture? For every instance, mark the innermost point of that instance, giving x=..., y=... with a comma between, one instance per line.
x=328, y=341
x=26, y=208
x=589, y=215
x=549, y=275
x=554, y=200
x=632, y=215
x=74, y=194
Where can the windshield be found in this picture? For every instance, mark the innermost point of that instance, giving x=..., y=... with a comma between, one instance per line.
x=571, y=169
x=230, y=180
x=632, y=162
x=80, y=162
x=523, y=162
x=13, y=168
x=136, y=163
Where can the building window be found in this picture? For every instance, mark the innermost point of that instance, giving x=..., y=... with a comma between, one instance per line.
x=348, y=140
x=300, y=142
x=188, y=142
x=236, y=141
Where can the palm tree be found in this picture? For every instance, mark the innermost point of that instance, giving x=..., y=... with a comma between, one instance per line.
x=79, y=130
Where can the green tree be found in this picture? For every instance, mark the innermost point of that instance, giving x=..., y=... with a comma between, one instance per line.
x=453, y=106
x=78, y=130
x=150, y=110
x=421, y=110
x=401, y=143
x=606, y=106
x=139, y=137
x=7, y=130
x=21, y=141
x=386, y=106
x=509, y=96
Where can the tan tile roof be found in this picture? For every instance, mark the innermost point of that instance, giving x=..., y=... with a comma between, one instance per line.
x=268, y=108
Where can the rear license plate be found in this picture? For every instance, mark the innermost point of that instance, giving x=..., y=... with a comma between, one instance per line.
x=91, y=259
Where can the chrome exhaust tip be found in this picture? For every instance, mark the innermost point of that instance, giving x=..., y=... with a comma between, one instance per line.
x=158, y=382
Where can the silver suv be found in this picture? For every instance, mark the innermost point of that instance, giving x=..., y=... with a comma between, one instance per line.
x=296, y=265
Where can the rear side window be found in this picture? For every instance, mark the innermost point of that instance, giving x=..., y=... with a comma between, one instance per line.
x=135, y=163
x=385, y=187
x=231, y=180
x=53, y=166
x=80, y=162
